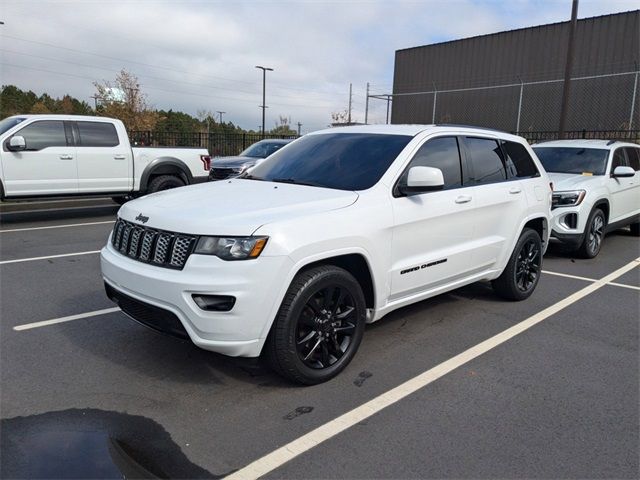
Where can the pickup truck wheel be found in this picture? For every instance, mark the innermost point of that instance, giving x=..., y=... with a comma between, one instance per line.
x=319, y=326
x=522, y=273
x=164, y=182
x=593, y=235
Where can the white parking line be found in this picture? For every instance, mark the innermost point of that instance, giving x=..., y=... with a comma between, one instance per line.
x=288, y=452
x=33, y=259
x=55, y=226
x=586, y=279
x=29, y=326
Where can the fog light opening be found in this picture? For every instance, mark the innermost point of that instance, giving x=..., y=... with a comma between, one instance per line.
x=214, y=303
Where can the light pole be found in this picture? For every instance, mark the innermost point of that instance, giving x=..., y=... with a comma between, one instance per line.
x=220, y=113
x=264, y=84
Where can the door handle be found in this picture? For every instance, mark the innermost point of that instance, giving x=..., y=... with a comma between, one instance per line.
x=120, y=157
x=66, y=157
x=514, y=190
x=463, y=199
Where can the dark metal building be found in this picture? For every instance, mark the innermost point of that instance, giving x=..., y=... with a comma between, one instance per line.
x=513, y=80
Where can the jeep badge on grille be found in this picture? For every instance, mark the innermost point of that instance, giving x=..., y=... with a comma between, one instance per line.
x=142, y=218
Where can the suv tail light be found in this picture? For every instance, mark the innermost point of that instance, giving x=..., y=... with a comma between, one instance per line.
x=206, y=161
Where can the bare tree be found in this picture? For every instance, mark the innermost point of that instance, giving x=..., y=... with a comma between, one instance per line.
x=340, y=117
x=123, y=99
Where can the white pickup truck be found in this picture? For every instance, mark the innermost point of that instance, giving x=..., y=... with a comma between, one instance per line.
x=66, y=155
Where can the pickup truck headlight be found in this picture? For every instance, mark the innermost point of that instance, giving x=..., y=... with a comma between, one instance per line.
x=569, y=198
x=231, y=248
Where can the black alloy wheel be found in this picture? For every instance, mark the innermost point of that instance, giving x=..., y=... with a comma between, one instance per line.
x=522, y=273
x=319, y=326
x=326, y=327
x=528, y=265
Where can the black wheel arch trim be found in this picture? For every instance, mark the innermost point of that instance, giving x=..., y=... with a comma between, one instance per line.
x=165, y=166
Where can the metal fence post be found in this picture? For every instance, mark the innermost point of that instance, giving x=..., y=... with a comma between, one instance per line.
x=633, y=100
x=435, y=100
x=519, y=107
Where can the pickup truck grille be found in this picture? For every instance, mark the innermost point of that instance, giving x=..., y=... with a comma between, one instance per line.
x=157, y=247
x=222, y=173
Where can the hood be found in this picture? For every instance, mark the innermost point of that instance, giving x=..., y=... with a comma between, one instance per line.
x=232, y=207
x=233, y=162
x=572, y=181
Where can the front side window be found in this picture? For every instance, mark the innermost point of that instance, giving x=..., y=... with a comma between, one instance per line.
x=344, y=161
x=573, y=160
x=633, y=156
x=9, y=123
x=97, y=134
x=519, y=163
x=486, y=158
x=43, y=134
x=619, y=159
x=442, y=153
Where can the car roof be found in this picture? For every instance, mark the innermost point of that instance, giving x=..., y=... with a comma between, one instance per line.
x=414, y=130
x=585, y=143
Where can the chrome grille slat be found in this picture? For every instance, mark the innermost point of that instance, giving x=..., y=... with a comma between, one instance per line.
x=160, y=248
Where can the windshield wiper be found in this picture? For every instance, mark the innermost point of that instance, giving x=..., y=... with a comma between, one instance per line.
x=296, y=182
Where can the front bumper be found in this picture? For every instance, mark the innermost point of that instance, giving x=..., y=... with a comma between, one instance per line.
x=568, y=224
x=256, y=285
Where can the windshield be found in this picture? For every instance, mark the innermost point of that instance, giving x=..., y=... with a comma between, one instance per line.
x=262, y=149
x=10, y=122
x=573, y=160
x=344, y=161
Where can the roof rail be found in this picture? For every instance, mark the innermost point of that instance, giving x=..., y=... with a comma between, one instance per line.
x=470, y=126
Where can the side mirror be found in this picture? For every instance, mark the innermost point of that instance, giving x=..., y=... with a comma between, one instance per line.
x=17, y=143
x=421, y=180
x=623, y=172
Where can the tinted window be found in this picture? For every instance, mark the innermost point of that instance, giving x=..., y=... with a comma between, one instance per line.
x=262, y=149
x=345, y=161
x=633, y=156
x=486, y=158
x=442, y=153
x=519, y=163
x=573, y=160
x=43, y=134
x=97, y=134
x=619, y=159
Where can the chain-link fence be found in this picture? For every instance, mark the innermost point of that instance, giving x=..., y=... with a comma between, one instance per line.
x=218, y=144
x=596, y=103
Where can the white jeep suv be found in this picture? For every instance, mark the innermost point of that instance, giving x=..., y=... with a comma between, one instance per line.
x=336, y=229
x=596, y=190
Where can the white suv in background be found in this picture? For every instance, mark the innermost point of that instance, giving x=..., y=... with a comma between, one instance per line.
x=336, y=229
x=596, y=190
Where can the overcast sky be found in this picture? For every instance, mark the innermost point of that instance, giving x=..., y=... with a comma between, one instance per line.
x=192, y=55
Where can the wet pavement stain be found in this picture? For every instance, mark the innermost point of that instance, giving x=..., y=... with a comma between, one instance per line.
x=91, y=443
x=362, y=377
x=297, y=412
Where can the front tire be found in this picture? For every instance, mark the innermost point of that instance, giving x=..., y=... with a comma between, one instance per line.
x=635, y=229
x=319, y=326
x=593, y=235
x=522, y=273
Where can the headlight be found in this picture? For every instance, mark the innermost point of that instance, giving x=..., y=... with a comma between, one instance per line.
x=231, y=248
x=568, y=198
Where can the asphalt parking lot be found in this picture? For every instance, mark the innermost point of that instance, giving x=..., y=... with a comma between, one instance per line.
x=552, y=391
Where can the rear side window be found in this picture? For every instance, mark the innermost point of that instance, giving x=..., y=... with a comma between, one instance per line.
x=43, y=134
x=518, y=162
x=97, y=134
x=633, y=156
x=486, y=158
x=442, y=153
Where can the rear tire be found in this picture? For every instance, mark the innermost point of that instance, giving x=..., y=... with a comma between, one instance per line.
x=522, y=273
x=635, y=229
x=164, y=182
x=593, y=234
x=319, y=326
